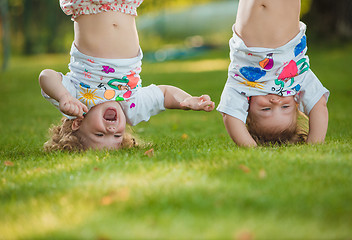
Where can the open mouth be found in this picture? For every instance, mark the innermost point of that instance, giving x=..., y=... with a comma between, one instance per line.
x=110, y=115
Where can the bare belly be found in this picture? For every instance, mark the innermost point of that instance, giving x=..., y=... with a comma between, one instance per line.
x=267, y=23
x=107, y=35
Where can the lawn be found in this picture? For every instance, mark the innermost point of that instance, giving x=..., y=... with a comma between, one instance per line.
x=196, y=185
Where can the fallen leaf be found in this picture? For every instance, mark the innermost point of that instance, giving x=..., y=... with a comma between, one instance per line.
x=150, y=152
x=262, y=174
x=244, y=168
x=122, y=195
x=8, y=163
x=106, y=200
x=244, y=235
x=184, y=136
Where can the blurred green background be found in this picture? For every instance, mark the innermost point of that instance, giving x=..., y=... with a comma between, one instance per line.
x=39, y=26
x=198, y=184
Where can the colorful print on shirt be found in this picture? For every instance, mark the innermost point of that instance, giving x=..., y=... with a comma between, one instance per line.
x=270, y=73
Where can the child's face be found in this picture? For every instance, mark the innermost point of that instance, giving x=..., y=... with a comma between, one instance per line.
x=273, y=112
x=103, y=126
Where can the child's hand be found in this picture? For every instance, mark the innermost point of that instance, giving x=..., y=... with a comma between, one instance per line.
x=198, y=103
x=72, y=106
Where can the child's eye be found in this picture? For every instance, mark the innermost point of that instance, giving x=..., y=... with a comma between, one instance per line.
x=99, y=134
x=117, y=135
x=266, y=109
x=285, y=106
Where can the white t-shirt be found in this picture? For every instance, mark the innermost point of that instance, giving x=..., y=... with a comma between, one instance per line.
x=257, y=71
x=146, y=102
x=96, y=80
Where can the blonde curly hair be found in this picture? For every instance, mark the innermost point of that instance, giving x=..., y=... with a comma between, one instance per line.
x=296, y=133
x=63, y=138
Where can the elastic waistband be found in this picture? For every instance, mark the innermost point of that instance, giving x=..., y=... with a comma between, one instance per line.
x=240, y=45
x=116, y=61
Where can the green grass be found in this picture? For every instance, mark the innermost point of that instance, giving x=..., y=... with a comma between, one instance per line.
x=198, y=187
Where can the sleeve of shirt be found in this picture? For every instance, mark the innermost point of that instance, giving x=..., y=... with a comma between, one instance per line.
x=147, y=101
x=310, y=93
x=233, y=103
x=70, y=88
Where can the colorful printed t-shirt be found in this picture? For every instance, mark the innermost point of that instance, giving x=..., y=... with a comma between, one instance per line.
x=97, y=80
x=257, y=71
x=82, y=7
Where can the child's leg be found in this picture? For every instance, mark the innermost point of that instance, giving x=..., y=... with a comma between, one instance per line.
x=267, y=23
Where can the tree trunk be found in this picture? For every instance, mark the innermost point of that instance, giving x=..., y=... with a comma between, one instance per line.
x=27, y=28
x=5, y=20
x=52, y=25
x=330, y=19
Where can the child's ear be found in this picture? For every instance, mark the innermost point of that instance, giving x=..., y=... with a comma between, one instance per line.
x=76, y=124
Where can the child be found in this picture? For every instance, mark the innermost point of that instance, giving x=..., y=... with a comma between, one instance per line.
x=269, y=77
x=103, y=90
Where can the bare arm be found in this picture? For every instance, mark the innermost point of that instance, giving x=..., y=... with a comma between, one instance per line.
x=51, y=83
x=238, y=131
x=318, y=122
x=176, y=98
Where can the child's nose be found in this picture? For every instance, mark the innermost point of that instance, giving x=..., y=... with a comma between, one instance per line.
x=111, y=129
x=274, y=99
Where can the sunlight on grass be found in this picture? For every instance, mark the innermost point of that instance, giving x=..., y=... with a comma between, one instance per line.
x=65, y=165
x=190, y=66
x=196, y=185
x=50, y=61
x=39, y=217
x=43, y=60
